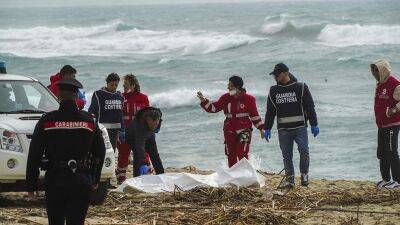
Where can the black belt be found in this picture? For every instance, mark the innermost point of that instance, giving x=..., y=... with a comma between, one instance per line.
x=71, y=165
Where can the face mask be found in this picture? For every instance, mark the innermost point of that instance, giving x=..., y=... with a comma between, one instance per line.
x=233, y=92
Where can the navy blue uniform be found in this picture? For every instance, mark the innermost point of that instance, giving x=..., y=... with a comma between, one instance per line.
x=292, y=104
x=108, y=109
x=61, y=136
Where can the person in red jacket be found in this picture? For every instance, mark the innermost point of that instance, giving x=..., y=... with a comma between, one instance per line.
x=387, y=108
x=134, y=102
x=241, y=113
x=66, y=71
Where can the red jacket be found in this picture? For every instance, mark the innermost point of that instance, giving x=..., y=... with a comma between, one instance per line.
x=134, y=101
x=383, y=100
x=241, y=112
x=54, y=89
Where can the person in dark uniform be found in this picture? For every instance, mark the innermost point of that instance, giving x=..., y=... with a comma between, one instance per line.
x=107, y=105
x=291, y=102
x=140, y=136
x=69, y=145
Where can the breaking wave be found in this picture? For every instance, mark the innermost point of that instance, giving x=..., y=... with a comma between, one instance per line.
x=116, y=38
x=331, y=34
x=355, y=34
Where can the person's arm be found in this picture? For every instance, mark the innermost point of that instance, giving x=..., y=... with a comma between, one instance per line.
x=270, y=113
x=36, y=150
x=94, y=106
x=81, y=100
x=212, y=107
x=139, y=148
x=121, y=115
x=254, y=116
x=309, y=107
x=146, y=101
x=137, y=141
x=98, y=152
x=396, y=108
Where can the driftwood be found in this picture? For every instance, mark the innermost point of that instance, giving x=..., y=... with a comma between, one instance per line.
x=224, y=206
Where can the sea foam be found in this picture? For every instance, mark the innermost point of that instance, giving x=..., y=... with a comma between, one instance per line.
x=116, y=38
x=356, y=34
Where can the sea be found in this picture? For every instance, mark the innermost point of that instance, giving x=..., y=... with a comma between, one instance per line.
x=178, y=49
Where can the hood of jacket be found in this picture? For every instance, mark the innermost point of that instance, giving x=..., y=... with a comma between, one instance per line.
x=383, y=68
x=55, y=78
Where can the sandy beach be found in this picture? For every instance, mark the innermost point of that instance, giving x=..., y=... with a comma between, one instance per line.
x=323, y=202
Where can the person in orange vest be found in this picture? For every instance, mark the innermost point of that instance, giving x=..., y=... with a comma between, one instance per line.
x=241, y=113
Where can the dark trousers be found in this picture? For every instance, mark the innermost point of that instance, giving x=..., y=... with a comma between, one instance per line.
x=67, y=198
x=387, y=153
x=151, y=149
x=113, y=135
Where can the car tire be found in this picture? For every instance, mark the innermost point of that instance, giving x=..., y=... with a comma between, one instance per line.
x=100, y=194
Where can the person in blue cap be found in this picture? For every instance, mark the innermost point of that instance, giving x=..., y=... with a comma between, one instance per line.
x=3, y=69
x=291, y=102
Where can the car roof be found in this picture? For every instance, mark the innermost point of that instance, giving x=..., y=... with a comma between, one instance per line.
x=15, y=77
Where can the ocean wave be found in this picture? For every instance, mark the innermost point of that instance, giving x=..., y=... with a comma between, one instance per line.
x=285, y=24
x=116, y=38
x=356, y=34
x=331, y=34
x=188, y=96
x=182, y=97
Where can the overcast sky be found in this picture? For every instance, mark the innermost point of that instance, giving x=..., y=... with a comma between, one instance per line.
x=53, y=3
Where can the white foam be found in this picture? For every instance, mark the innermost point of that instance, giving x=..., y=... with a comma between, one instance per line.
x=108, y=40
x=274, y=27
x=182, y=97
x=344, y=59
x=356, y=34
x=188, y=96
x=164, y=60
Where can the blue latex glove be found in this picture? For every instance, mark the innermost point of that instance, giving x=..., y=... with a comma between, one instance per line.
x=122, y=136
x=267, y=135
x=315, y=130
x=143, y=169
x=81, y=95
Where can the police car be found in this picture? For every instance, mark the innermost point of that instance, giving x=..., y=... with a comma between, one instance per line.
x=23, y=100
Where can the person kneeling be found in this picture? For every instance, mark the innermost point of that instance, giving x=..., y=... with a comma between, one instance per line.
x=141, y=138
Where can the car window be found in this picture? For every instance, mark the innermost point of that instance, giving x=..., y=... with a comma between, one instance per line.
x=34, y=95
x=25, y=97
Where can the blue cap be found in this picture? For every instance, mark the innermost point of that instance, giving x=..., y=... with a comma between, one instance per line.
x=2, y=64
x=279, y=68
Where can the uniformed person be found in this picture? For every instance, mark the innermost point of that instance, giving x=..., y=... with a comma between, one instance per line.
x=291, y=102
x=69, y=145
x=141, y=138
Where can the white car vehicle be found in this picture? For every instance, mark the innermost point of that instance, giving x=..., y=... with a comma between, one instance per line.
x=23, y=100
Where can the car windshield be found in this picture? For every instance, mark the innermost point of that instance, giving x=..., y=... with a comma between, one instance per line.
x=25, y=97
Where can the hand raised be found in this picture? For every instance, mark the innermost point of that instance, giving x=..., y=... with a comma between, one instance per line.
x=200, y=96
